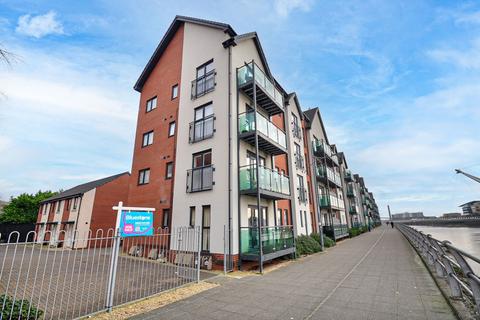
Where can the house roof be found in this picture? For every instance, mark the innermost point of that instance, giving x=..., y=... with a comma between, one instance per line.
x=310, y=115
x=82, y=188
x=469, y=203
x=172, y=29
x=297, y=103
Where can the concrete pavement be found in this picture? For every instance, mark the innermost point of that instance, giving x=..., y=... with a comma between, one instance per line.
x=374, y=276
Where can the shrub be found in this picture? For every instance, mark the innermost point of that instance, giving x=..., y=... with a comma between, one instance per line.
x=19, y=310
x=328, y=242
x=307, y=245
x=353, y=232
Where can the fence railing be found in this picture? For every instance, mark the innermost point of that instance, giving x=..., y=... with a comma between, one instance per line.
x=449, y=263
x=40, y=278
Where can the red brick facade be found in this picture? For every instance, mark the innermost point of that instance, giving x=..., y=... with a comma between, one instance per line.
x=158, y=193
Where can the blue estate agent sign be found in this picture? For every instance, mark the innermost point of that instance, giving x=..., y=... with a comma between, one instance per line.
x=136, y=223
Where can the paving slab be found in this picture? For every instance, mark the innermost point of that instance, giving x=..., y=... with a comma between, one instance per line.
x=376, y=275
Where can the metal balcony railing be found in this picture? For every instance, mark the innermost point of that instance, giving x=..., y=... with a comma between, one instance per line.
x=302, y=195
x=297, y=131
x=319, y=147
x=299, y=162
x=449, y=263
x=201, y=129
x=203, y=85
x=200, y=179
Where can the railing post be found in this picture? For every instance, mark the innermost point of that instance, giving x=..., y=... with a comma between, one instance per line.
x=199, y=249
x=113, y=271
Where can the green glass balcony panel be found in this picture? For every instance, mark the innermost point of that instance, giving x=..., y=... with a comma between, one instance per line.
x=273, y=239
x=270, y=180
x=246, y=123
x=244, y=74
x=324, y=201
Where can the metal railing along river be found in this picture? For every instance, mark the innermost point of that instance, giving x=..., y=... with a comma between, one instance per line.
x=449, y=263
x=67, y=275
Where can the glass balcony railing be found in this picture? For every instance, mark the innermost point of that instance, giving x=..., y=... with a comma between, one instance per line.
x=270, y=180
x=330, y=201
x=350, y=191
x=320, y=147
x=245, y=75
x=353, y=210
x=325, y=172
x=336, y=231
x=273, y=239
x=348, y=175
x=246, y=123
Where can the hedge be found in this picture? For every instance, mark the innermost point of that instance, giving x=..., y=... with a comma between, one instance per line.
x=307, y=245
x=18, y=309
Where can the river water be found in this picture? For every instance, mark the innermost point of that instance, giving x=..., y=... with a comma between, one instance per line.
x=467, y=239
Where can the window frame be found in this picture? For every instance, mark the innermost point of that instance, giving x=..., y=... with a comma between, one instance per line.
x=191, y=221
x=140, y=172
x=174, y=93
x=170, y=125
x=167, y=166
x=166, y=214
x=147, y=109
x=204, y=227
x=148, y=134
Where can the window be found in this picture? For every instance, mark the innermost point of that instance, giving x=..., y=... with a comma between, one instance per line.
x=143, y=176
x=75, y=202
x=296, y=126
x=205, y=81
x=301, y=219
x=252, y=215
x=302, y=193
x=298, y=157
x=171, y=129
x=285, y=217
x=202, y=126
x=206, y=228
x=169, y=170
x=151, y=104
x=147, y=139
x=200, y=177
x=165, y=218
x=45, y=208
x=174, y=91
x=306, y=221
x=192, y=217
x=278, y=218
x=57, y=207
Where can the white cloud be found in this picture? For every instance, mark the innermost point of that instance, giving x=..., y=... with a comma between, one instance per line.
x=466, y=58
x=39, y=26
x=284, y=7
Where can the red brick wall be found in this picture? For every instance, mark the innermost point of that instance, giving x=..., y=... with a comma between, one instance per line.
x=158, y=193
x=107, y=196
x=282, y=164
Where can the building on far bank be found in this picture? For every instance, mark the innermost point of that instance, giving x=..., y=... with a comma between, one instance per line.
x=452, y=215
x=407, y=216
x=471, y=208
x=82, y=208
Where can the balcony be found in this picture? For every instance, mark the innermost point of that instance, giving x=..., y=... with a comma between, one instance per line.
x=270, y=138
x=268, y=96
x=348, y=175
x=353, y=210
x=337, y=231
x=273, y=185
x=203, y=85
x=201, y=129
x=276, y=242
x=330, y=201
x=302, y=195
x=324, y=173
x=321, y=149
x=299, y=162
x=350, y=191
x=200, y=179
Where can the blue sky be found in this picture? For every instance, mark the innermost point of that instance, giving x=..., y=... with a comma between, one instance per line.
x=397, y=83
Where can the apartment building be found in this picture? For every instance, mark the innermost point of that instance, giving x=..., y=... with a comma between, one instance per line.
x=222, y=146
x=74, y=215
